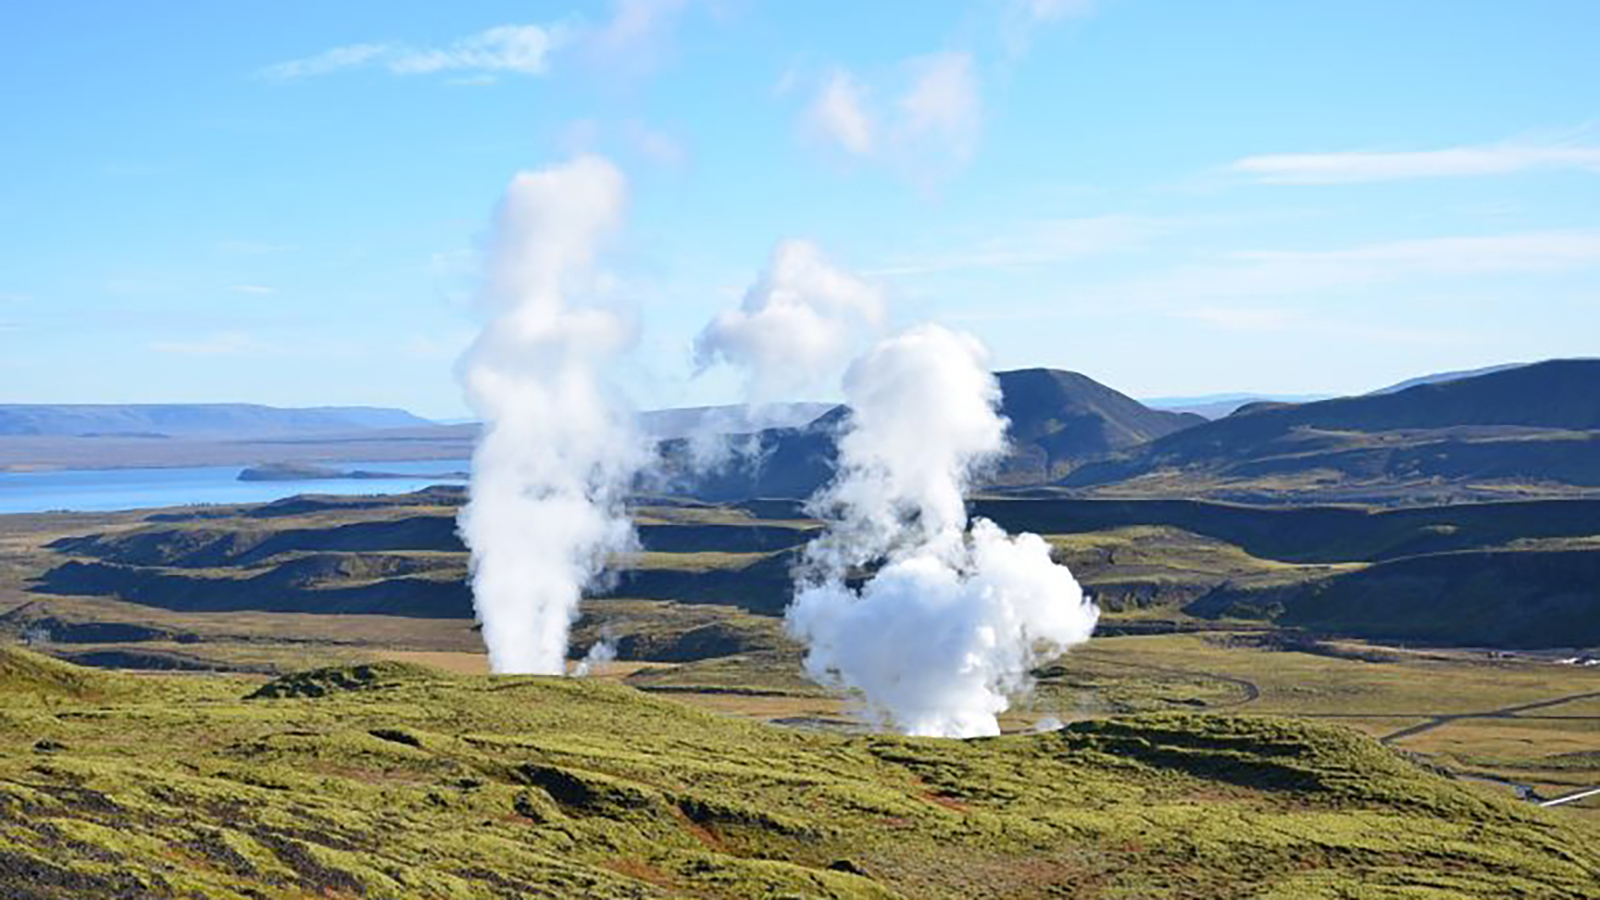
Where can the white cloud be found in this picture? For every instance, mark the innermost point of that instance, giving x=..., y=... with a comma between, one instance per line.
x=227, y=343
x=942, y=103
x=255, y=289
x=8, y=297
x=934, y=116
x=1453, y=162
x=838, y=114
x=347, y=57
x=635, y=34
x=517, y=49
x=522, y=49
x=633, y=37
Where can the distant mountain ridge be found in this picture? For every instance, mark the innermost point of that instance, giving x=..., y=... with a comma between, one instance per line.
x=1528, y=424
x=1441, y=377
x=1060, y=418
x=1217, y=406
x=194, y=419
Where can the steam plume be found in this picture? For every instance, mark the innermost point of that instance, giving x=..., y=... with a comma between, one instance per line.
x=558, y=449
x=947, y=630
x=800, y=321
x=796, y=328
x=600, y=652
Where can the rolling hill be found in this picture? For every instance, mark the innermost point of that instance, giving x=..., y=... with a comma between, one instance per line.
x=389, y=780
x=1441, y=377
x=1529, y=429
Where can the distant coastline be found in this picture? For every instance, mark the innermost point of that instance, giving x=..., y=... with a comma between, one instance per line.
x=311, y=472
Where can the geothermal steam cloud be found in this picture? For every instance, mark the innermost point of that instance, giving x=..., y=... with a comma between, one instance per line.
x=795, y=329
x=558, y=450
x=798, y=321
x=947, y=630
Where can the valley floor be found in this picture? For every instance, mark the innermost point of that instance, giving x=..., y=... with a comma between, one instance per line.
x=1507, y=727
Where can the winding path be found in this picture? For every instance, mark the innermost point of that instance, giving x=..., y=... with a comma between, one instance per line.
x=1507, y=712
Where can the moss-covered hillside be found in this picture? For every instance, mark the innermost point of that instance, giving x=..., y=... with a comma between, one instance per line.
x=396, y=781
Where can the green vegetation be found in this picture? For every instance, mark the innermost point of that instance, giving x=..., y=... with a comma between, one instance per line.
x=420, y=784
x=1224, y=739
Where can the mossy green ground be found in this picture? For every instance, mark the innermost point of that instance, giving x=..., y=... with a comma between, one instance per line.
x=398, y=781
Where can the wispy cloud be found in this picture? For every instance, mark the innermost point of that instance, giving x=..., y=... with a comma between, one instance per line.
x=13, y=297
x=926, y=110
x=636, y=35
x=328, y=61
x=942, y=102
x=255, y=289
x=1020, y=19
x=1452, y=162
x=632, y=137
x=228, y=343
x=1236, y=278
x=1532, y=251
x=631, y=38
x=516, y=49
x=1037, y=244
x=838, y=113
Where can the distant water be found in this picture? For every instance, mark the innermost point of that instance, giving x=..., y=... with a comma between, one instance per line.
x=100, y=490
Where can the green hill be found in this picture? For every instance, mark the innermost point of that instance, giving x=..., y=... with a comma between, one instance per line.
x=408, y=785
x=27, y=677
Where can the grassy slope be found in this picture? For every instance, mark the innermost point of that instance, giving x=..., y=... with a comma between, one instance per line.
x=408, y=784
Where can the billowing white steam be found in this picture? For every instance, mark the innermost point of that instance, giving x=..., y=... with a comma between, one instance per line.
x=947, y=630
x=793, y=333
x=558, y=449
x=802, y=319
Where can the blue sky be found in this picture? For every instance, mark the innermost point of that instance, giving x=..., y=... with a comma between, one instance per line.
x=283, y=202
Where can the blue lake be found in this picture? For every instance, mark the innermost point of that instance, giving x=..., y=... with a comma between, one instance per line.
x=100, y=490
